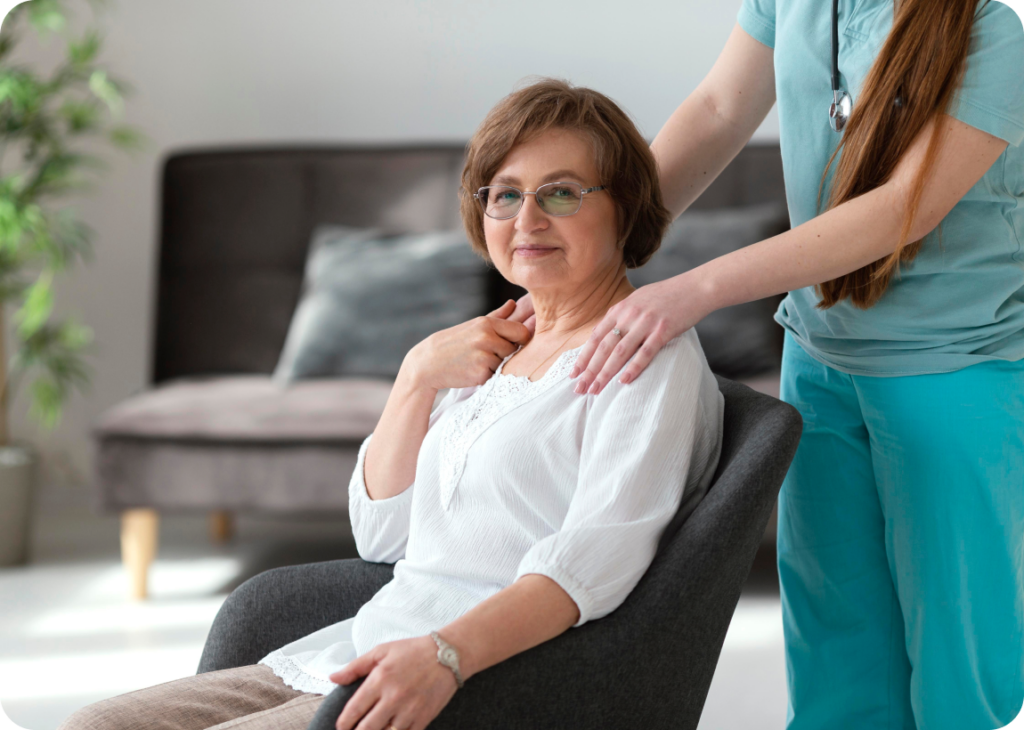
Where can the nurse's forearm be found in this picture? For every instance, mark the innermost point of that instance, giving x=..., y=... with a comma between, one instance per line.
x=840, y=241
x=516, y=618
x=859, y=231
x=714, y=123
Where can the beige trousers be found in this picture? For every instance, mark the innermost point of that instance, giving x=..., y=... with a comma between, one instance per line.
x=252, y=697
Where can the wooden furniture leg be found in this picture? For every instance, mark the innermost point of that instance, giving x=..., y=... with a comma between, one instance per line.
x=222, y=526
x=139, y=531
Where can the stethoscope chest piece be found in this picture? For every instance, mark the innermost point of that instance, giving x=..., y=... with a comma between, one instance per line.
x=839, y=110
x=842, y=103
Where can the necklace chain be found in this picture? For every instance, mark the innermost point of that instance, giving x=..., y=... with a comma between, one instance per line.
x=554, y=351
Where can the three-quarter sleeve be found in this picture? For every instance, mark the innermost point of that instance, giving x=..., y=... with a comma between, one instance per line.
x=638, y=446
x=381, y=526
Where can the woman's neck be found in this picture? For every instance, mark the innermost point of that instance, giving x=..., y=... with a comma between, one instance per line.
x=559, y=315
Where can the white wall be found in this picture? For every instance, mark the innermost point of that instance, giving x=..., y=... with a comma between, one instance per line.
x=330, y=71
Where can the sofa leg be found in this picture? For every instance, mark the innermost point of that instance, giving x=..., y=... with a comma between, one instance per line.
x=139, y=531
x=222, y=526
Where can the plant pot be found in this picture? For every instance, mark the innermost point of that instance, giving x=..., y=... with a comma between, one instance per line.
x=17, y=487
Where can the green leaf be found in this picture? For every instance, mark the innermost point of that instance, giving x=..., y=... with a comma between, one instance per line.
x=74, y=335
x=37, y=307
x=11, y=229
x=106, y=91
x=81, y=116
x=84, y=51
x=20, y=88
x=7, y=40
x=47, y=401
x=69, y=241
x=46, y=15
x=129, y=139
x=53, y=354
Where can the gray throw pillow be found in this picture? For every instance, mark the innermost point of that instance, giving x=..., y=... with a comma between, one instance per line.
x=738, y=341
x=369, y=297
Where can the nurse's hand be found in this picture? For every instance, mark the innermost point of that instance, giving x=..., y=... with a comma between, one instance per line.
x=648, y=318
x=405, y=686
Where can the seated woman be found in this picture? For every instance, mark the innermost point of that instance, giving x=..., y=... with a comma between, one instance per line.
x=514, y=509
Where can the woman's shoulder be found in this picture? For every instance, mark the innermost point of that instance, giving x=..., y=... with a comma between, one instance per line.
x=680, y=359
x=682, y=352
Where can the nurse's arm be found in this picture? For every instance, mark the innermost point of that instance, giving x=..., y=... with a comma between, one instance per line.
x=857, y=232
x=837, y=242
x=714, y=123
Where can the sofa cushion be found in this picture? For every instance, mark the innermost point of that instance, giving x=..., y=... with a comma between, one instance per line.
x=250, y=408
x=368, y=298
x=189, y=476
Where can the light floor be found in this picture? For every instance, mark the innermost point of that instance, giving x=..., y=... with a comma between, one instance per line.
x=70, y=636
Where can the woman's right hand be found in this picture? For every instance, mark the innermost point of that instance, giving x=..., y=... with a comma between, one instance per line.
x=468, y=353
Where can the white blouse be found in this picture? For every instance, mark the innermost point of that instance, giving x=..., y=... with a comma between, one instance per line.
x=517, y=477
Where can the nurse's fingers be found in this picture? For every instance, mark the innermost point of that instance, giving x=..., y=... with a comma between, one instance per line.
x=593, y=343
x=614, y=351
x=654, y=342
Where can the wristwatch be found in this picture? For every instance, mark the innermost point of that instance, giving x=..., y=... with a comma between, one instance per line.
x=447, y=656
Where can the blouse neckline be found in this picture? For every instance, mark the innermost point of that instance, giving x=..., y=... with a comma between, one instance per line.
x=561, y=364
x=500, y=395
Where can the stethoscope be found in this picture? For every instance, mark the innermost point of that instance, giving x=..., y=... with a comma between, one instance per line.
x=842, y=103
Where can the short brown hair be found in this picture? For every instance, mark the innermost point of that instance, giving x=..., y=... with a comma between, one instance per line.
x=624, y=159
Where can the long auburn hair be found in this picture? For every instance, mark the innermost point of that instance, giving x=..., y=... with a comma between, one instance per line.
x=922, y=63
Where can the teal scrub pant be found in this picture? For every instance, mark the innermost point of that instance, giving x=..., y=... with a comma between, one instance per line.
x=901, y=548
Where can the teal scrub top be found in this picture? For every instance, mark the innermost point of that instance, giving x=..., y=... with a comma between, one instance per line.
x=961, y=300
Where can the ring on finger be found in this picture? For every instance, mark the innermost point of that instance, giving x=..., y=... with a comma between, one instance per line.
x=617, y=332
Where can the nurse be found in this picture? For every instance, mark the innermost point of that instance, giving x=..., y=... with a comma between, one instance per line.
x=900, y=549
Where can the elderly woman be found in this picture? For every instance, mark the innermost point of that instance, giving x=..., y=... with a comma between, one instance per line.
x=514, y=509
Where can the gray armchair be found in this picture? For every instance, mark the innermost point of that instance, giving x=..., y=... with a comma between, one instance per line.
x=648, y=664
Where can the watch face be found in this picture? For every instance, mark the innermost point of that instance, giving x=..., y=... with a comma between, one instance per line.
x=449, y=655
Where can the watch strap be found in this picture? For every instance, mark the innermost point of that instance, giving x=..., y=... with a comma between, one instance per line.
x=448, y=656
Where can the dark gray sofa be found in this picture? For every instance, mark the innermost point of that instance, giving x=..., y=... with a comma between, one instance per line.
x=212, y=432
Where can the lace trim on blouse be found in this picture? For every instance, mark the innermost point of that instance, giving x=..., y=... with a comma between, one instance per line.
x=293, y=675
x=497, y=397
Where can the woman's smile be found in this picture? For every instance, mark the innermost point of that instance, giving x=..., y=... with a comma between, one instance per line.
x=532, y=251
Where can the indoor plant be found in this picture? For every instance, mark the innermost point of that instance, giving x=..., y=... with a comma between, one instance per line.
x=42, y=118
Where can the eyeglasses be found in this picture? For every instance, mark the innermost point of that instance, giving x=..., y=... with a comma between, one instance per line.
x=556, y=198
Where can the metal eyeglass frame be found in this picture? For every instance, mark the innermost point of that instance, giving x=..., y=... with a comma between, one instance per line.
x=524, y=193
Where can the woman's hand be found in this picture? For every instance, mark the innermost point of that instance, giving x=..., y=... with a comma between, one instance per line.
x=405, y=686
x=468, y=353
x=524, y=312
x=647, y=319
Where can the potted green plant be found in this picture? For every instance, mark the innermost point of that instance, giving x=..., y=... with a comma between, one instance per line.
x=43, y=122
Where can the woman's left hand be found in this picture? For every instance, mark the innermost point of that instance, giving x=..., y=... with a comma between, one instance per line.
x=405, y=686
x=648, y=318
